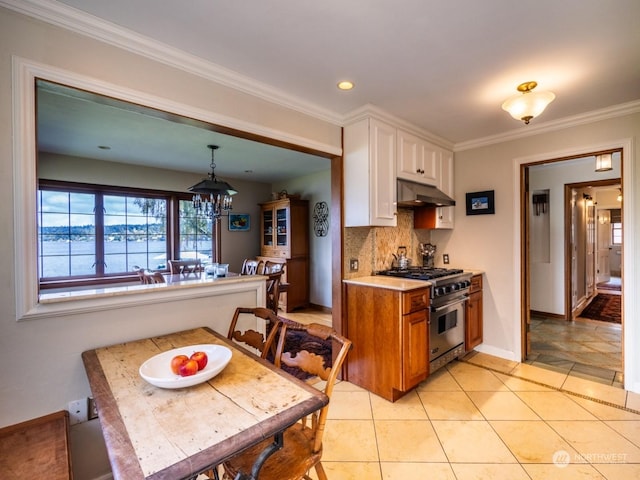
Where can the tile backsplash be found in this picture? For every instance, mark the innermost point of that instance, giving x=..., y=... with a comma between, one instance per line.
x=374, y=247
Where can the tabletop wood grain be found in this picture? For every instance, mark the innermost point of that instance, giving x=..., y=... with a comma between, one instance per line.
x=156, y=433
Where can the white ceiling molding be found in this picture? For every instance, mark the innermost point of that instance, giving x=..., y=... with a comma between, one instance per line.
x=568, y=122
x=79, y=22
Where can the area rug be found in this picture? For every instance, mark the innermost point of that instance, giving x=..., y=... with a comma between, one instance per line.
x=606, y=308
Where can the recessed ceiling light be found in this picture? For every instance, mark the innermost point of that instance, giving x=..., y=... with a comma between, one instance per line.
x=345, y=85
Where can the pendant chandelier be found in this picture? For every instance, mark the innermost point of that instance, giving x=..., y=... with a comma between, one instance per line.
x=212, y=196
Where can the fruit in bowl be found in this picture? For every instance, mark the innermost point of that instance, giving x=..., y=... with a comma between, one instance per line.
x=159, y=369
x=201, y=358
x=177, y=362
x=188, y=368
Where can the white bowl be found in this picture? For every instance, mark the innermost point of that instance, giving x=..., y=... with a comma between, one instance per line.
x=157, y=370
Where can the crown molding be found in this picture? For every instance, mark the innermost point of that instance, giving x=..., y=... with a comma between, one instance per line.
x=69, y=18
x=620, y=110
x=370, y=110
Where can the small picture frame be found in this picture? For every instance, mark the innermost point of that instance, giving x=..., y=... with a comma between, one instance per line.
x=239, y=222
x=481, y=203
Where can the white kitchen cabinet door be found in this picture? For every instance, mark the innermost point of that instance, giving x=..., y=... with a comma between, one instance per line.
x=370, y=174
x=445, y=215
x=417, y=160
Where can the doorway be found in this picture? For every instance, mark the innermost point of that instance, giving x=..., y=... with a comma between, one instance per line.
x=565, y=204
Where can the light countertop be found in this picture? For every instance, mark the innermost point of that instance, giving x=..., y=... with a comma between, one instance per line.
x=391, y=283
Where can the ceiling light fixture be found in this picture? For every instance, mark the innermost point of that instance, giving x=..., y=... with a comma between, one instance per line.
x=212, y=196
x=528, y=104
x=604, y=162
x=345, y=85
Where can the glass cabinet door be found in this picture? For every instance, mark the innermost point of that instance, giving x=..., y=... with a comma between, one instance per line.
x=282, y=227
x=267, y=227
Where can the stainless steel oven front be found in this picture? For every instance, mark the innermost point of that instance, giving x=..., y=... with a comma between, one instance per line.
x=446, y=329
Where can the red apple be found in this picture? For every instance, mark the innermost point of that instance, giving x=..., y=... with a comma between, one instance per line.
x=190, y=367
x=201, y=358
x=177, y=362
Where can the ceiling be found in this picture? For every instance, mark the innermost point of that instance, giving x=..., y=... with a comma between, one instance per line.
x=445, y=66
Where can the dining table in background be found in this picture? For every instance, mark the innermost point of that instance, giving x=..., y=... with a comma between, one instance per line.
x=155, y=433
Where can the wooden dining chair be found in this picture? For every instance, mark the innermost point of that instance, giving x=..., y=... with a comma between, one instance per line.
x=185, y=267
x=252, y=267
x=251, y=338
x=273, y=267
x=147, y=277
x=302, y=445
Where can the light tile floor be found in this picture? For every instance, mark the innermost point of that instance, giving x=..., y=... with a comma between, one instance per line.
x=485, y=418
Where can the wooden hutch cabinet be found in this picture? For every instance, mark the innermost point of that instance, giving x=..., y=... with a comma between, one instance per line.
x=284, y=237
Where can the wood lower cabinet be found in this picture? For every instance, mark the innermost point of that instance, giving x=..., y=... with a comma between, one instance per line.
x=390, y=334
x=473, y=316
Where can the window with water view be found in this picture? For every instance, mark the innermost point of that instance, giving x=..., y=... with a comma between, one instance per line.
x=91, y=234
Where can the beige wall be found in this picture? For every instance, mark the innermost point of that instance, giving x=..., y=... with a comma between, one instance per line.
x=315, y=188
x=52, y=373
x=492, y=242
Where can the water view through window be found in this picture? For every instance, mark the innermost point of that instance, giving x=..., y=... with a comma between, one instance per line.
x=88, y=232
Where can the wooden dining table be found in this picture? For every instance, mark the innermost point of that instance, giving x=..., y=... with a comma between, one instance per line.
x=159, y=433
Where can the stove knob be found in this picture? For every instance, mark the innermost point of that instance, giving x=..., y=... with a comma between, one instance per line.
x=440, y=291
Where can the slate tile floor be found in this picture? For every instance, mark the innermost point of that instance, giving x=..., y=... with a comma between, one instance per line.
x=585, y=348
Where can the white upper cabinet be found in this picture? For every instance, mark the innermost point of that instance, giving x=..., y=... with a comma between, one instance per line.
x=370, y=174
x=417, y=160
x=445, y=215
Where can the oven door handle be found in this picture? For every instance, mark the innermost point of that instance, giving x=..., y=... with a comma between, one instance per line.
x=450, y=304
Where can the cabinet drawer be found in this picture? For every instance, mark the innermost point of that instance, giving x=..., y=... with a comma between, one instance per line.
x=415, y=300
x=476, y=284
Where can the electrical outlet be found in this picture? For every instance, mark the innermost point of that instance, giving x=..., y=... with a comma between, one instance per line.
x=353, y=264
x=78, y=411
x=445, y=258
x=93, y=410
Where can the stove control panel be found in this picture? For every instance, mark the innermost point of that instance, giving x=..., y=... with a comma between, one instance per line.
x=451, y=288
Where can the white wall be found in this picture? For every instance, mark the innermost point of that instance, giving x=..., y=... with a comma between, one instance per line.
x=315, y=188
x=492, y=242
x=50, y=371
x=547, y=279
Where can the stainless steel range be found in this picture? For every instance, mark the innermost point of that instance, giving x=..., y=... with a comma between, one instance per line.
x=448, y=297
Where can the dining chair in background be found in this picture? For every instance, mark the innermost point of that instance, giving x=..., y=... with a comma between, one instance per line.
x=302, y=445
x=147, y=277
x=185, y=267
x=252, y=267
x=274, y=272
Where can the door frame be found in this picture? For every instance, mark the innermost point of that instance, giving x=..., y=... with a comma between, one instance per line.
x=523, y=166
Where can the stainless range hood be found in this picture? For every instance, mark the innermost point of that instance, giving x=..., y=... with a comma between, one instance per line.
x=411, y=194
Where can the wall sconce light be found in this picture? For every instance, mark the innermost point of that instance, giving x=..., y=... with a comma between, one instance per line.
x=619, y=197
x=528, y=104
x=588, y=199
x=604, y=162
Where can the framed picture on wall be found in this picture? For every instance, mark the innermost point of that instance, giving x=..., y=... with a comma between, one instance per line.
x=239, y=222
x=481, y=203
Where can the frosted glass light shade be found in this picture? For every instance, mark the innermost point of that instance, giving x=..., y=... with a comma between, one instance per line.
x=603, y=162
x=527, y=105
